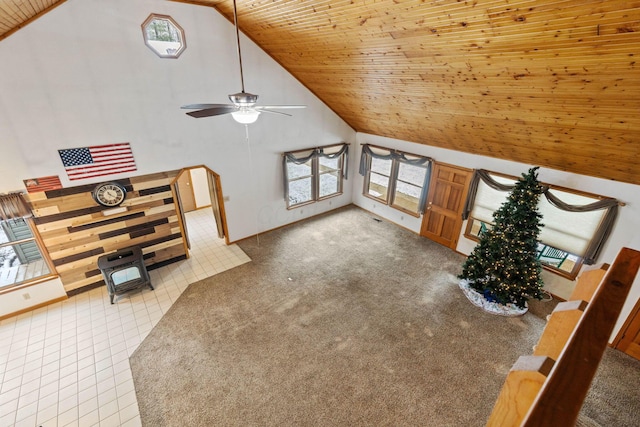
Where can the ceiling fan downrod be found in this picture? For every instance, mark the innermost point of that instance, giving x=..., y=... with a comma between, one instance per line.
x=235, y=23
x=243, y=108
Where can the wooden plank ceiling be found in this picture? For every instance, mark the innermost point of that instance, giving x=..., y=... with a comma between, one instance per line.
x=15, y=14
x=553, y=83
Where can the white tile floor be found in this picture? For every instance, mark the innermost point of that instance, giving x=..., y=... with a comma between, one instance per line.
x=67, y=364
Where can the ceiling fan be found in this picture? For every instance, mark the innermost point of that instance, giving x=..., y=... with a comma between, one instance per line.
x=243, y=108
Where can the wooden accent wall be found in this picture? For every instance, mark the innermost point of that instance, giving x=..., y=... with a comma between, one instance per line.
x=76, y=231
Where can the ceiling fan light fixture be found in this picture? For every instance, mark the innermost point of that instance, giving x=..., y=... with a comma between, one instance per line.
x=246, y=117
x=243, y=107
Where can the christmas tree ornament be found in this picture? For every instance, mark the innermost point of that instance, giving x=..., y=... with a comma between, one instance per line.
x=503, y=267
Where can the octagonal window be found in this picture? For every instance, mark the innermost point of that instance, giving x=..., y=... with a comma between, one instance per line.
x=164, y=36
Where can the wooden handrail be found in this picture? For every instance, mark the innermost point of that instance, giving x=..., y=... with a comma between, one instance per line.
x=561, y=397
x=537, y=389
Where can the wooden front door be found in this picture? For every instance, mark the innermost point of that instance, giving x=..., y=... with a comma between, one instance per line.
x=628, y=339
x=448, y=189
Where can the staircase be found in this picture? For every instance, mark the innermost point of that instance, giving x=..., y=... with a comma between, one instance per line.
x=552, y=383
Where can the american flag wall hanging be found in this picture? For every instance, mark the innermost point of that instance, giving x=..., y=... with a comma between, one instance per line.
x=99, y=160
x=42, y=184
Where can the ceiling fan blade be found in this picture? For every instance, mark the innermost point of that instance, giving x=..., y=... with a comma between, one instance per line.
x=215, y=111
x=272, y=112
x=243, y=102
x=268, y=107
x=203, y=106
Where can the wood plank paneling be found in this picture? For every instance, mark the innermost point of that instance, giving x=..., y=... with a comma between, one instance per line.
x=552, y=83
x=15, y=14
x=76, y=232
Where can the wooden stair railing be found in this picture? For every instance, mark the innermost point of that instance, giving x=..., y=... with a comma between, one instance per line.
x=552, y=384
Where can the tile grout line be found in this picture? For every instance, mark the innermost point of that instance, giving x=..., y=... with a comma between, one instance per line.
x=71, y=359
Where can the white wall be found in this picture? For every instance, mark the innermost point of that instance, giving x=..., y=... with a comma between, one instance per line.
x=81, y=75
x=624, y=233
x=31, y=296
x=200, y=186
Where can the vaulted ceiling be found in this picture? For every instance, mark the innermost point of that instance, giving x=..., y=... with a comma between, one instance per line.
x=554, y=83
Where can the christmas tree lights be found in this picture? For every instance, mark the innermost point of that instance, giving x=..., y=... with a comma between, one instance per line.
x=504, y=267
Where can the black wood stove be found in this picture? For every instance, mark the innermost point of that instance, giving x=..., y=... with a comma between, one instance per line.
x=123, y=271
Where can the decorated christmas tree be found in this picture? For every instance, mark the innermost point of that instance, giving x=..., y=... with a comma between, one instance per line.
x=504, y=267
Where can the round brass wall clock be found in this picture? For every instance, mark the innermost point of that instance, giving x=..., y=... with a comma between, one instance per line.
x=109, y=194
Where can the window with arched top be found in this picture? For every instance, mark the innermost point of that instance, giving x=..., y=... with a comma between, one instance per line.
x=164, y=36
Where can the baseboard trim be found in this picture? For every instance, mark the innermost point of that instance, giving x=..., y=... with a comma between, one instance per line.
x=288, y=224
x=35, y=307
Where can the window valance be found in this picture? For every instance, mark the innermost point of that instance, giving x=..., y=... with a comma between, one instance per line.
x=13, y=206
x=397, y=156
x=389, y=154
x=303, y=156
x=583, y=234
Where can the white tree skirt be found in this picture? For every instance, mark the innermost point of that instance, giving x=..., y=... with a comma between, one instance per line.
x=492, y=307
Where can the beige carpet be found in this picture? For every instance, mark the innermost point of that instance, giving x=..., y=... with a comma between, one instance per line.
x=341, y=320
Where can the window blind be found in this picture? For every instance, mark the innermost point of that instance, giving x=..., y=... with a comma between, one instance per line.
x=575, y=223
x=565, y=230
x=488, y=200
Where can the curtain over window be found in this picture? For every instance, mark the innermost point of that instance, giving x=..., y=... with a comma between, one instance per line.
x=578, y=222
x=396, y=178
x=13, y=206
x=314, y=174
x=574, y=223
